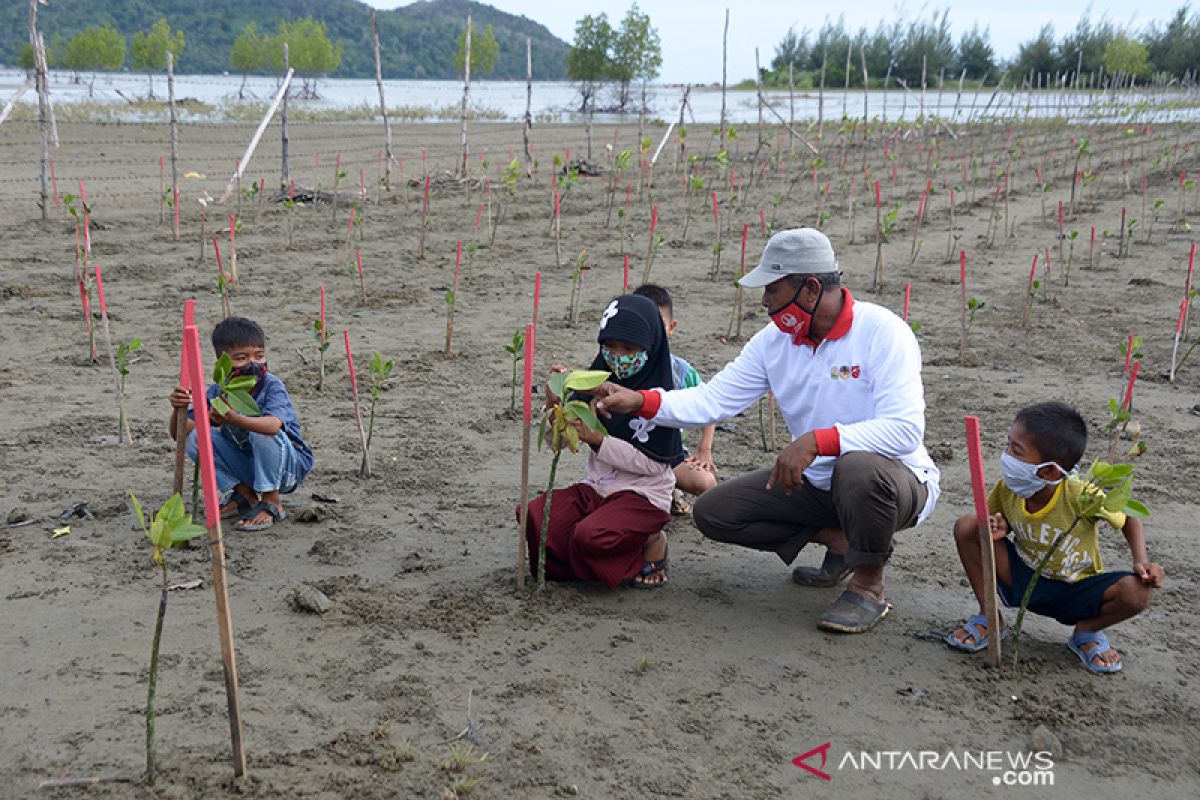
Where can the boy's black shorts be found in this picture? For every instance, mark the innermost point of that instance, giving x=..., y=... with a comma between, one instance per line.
x=1066, y=602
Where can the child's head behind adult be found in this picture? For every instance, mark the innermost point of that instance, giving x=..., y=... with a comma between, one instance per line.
x=661, y=298
x=1054, y=430
x=237, y=333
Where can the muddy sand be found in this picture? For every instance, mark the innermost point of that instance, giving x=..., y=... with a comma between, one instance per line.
x=705, y=689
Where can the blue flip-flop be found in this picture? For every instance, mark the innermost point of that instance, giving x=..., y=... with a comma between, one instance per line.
x=1077, y=642
x=971, y=626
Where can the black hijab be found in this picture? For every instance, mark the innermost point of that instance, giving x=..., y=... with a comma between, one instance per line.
x=635, y=319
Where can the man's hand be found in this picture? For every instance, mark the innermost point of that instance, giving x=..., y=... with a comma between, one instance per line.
x=181, y=398
x=1150, y=574
x=997, y=526
x=788, y=471
x=616, y=399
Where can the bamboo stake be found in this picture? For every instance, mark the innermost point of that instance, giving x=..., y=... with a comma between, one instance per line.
x=526, y=429
x=528, y=122
x=189, y=320
x=122, y=420
x=174, y=137
x=724, y=73
x=365, y=468
x=466, y=92
x=387, y=124
x=285, y=179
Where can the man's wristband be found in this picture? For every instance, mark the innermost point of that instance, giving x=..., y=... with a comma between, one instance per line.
x=829, y=441
x=651, y=402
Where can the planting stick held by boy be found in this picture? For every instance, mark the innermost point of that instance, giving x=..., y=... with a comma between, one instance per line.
x=258, y=456
x=1039, y=501
x=698, y=473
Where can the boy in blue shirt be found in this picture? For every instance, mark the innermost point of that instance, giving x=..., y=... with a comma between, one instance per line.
x=256, y=458
x=698, y=473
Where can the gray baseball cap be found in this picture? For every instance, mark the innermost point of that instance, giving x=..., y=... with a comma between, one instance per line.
x=800, y=251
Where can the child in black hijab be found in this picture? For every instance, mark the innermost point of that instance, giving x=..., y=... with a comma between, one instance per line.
x=608, y=527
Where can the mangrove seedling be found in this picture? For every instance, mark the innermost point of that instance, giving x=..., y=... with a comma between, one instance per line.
x=558, y=422
x=322, y=337
x=516, y=351
x=123, y=351
x=380, y=372
x=233, y=391
x=169, y=527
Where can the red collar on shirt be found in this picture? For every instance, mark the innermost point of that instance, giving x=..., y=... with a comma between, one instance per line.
x=841, y=325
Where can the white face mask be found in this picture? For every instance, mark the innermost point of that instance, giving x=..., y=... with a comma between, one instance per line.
x=1022, y=477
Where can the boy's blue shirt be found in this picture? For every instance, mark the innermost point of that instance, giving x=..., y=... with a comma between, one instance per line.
x=273, y=401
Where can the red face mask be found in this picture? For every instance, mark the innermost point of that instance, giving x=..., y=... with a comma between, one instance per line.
x=794, y=320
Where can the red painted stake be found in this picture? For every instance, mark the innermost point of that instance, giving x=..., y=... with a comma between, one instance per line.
x=979, y=491
x=216, y=544
x=1133, y=371
x=625, y=280
x=1129, y=349
x=762, y=220
x=362, y=281
x=907, y=299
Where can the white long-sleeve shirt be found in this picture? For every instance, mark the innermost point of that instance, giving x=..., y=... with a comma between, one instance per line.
x=864, y=378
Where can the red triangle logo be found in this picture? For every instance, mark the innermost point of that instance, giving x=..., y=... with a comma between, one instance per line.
x=800, y=760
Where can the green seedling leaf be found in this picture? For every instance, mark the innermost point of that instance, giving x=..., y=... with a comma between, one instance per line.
x=186, y=532
x=243, y=403
x=221, y=369
x=582, y=380
x=242, y=383
x=138, y=508
x=558, y=383
x=219, y=405
x=583, y=412
x=1135, y=509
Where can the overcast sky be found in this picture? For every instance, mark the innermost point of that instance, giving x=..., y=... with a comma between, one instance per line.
x=691, y=29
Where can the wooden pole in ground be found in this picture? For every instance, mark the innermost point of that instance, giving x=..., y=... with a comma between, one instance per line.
x=979, y=489
x=284, y=177
x=40, y=67
x=821, y=102
x=724, y=73
x=526, y=427
x=174, y=137
x=791, y=108
x=123, y=425
x=528, y=108
x=846, y=89
x=387, y=125
x=189, y=320
x=216, y=544
x=466, y=93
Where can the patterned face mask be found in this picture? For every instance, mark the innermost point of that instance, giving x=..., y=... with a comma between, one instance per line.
x=624, y=366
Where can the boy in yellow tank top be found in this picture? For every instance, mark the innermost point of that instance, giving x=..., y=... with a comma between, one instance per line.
x=1036, y=501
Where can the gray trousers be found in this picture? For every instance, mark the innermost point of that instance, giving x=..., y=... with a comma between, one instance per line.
x=871, y=497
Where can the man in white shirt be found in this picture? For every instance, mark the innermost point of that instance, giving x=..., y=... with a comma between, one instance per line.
x=847, y=378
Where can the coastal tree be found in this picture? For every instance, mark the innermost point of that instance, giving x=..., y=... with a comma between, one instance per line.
x=148, y=51
x=249, y=54
x=484, y=50
x=310, y=51
x=975, y=53
x=1127, y=56
x=636, y=53
x=95, y=48
x=589, y=63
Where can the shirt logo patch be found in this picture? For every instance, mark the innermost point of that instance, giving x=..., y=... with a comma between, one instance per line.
x=845, y=372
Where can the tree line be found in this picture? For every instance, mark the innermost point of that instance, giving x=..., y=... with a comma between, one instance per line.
x=925, y=47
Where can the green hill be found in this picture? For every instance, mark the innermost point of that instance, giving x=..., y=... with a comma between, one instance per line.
x=417, y=41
